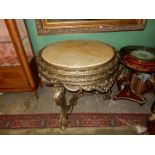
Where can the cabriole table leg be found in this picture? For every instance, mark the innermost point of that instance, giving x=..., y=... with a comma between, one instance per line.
x=59, y=97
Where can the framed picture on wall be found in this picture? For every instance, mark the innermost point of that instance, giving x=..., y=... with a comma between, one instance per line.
x=65, y=26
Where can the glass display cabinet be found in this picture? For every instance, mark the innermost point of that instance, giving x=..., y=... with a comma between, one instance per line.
x=18, y=70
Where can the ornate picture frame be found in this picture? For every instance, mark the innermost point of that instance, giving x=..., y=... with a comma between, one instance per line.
x=66, y=26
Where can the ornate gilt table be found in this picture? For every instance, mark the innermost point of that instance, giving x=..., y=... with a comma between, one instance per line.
x=79, y=66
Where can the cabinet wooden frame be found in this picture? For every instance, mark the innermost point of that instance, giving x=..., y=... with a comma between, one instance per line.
x=64, y=26
x=22, y=77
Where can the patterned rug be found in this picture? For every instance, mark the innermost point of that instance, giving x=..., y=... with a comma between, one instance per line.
x=74, y=120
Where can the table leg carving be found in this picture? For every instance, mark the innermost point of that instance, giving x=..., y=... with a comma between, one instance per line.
x=59, y=97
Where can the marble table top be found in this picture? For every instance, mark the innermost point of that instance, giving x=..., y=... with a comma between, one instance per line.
x=78, y=53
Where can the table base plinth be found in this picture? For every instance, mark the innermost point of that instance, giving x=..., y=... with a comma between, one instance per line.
x=128, y=94
x=127, y=90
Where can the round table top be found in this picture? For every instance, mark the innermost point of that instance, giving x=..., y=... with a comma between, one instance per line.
x=77, y=53
x=139, y=58
x=140, y=53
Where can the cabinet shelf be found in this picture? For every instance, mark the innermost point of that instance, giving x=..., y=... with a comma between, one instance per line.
x=7, y=39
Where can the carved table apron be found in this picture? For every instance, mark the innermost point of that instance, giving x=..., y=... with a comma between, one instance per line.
x=79, y=66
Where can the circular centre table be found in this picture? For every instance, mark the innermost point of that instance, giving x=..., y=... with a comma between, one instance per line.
x=140, y=63
x=79, y=66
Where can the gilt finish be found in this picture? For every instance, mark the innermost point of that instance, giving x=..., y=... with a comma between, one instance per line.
x=73, y=66
x=97, y=26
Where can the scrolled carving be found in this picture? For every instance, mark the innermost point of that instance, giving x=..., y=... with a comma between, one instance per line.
x=88, y=79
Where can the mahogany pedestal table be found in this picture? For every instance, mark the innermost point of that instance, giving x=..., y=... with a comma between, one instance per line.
x=140, y=62
x=78, y=66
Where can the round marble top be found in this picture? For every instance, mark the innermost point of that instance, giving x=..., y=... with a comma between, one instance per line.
x=77, y=53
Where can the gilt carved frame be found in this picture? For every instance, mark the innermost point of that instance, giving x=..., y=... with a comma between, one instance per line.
x=67, y=26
